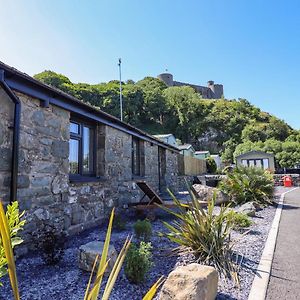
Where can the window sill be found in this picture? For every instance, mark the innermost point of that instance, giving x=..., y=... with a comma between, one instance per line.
x=79, y=179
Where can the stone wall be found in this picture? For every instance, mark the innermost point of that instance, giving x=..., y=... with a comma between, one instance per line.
x=44, y=189
x=183, y=180
x=172, y=170
x=43, y=165
x=151, y=165
x=278, y=179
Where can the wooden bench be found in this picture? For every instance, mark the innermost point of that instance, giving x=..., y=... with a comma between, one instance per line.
x=154, y=199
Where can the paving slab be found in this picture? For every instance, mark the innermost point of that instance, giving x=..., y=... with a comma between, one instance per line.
x=285, y=274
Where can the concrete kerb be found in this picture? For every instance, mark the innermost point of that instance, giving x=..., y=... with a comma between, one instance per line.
x=261, y=280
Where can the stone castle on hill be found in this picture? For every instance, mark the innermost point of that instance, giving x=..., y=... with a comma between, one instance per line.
x=211, y=91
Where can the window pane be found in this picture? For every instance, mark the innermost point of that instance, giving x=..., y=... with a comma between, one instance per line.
x=251, y=163
x=74, y=128
x=266, y=163
x=73, y=156
x=244, y=162
x=87, y=150
x=258, y=163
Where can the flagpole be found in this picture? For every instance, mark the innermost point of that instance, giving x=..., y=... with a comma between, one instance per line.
x=121, y=100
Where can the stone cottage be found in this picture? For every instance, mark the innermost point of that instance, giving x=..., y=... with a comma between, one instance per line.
x=68, y=163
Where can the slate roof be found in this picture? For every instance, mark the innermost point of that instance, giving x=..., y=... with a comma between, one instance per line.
x=185, y=147
x=255, y=152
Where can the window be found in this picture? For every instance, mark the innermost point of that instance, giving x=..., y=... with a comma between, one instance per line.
x=259, y=163
x=251, y=162
x=138, y=157
x=245, y=162
x=82, y=149
x=266, y=163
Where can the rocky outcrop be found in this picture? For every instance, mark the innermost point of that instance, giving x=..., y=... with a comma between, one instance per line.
x=191, y=282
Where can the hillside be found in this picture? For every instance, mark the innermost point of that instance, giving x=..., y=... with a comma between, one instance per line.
x=225, y=126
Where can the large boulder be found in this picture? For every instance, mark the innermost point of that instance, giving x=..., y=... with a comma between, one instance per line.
x=191, y=282
x=248, y=209
x=89, y=251
x=206, y=193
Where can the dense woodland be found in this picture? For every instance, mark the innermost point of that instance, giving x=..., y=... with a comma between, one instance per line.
x=229, y=127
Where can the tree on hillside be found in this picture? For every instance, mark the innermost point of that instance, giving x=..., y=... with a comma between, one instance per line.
x=85, y=92
x=185, y=112
x=227, y=126
x=133, y=100
x=228, y=150
x=290, y=154
x=277, y=129
x=110, y=97
x=248, y=146
x=54, y=79
x=254, y=132
x=294, y=136
x=154, y=102
x=229, y=118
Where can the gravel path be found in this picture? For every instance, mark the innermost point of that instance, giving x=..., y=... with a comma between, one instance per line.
x=66, y=282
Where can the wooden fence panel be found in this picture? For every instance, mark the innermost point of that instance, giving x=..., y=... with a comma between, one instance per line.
x=191, y=166
x=180, y=164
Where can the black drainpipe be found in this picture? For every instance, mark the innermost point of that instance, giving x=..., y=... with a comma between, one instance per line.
x=16, y=135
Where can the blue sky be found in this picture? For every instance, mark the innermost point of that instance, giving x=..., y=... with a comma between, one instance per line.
x=252, y=47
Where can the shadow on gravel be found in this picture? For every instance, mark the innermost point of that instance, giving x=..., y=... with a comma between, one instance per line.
x=254, y=232
x=223, y=296
x=257, y=217
x=249, y=265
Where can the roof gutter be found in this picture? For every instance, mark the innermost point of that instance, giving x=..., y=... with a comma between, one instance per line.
x=16, y=136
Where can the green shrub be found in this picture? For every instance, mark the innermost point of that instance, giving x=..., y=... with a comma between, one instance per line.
x=205, y=234
x=143, y=230
x=15, y=225
x=211, y=165
x=245, y=184
x=138, y=262
x=240, y=220
x=51, y=244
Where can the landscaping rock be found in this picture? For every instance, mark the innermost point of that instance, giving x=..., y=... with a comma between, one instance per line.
x=205, y=193
x=248, y=209
x=42, y=214
x=191, y=282
x=89, y=251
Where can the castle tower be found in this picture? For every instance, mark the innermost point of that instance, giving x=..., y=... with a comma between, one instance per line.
x=167, y=78
x=216, y=89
